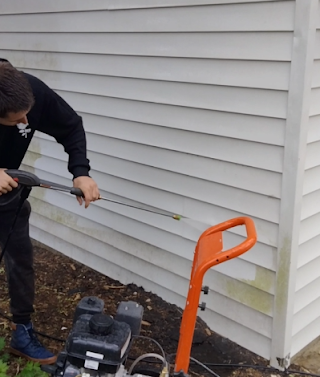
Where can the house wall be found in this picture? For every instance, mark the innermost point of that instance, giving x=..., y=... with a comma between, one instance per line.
x=185, y=109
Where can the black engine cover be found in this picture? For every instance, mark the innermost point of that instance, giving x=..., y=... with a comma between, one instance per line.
x=87, y=348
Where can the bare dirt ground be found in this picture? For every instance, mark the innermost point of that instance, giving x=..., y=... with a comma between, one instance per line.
x=62, y=282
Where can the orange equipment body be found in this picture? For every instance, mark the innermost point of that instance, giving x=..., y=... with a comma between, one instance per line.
x=208, y=253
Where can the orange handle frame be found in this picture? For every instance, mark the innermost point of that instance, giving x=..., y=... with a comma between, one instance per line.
x=207, y=254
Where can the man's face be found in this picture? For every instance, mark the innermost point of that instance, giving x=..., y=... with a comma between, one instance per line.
x=12, y=119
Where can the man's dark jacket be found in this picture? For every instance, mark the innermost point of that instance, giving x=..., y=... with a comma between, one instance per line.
x=52, y=116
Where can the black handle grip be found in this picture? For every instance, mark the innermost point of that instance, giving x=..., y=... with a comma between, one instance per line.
x=24, y=178
x=77, y=192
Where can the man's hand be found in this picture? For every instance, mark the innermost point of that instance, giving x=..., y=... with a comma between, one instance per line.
x=89, y=188
x=6, y=182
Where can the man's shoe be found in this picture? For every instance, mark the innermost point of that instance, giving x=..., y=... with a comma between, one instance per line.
x=24, y=343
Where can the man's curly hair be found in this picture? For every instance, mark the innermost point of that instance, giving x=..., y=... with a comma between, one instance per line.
x=15, y=91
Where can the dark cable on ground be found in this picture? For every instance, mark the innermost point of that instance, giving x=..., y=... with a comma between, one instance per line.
x=37, y=332
x=50, y=337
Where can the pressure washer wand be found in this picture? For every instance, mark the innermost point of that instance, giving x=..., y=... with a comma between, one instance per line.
x=77, y=192
x=175, y=217
x=31, y=180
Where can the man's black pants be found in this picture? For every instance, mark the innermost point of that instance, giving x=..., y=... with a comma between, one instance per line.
x=18, y=260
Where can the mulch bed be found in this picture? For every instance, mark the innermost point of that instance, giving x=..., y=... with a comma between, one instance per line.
x=61, y=283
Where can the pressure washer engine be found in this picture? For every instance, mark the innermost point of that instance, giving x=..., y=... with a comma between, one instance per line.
x=98, y=344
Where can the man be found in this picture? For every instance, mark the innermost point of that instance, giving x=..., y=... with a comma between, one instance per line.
x=27, y=105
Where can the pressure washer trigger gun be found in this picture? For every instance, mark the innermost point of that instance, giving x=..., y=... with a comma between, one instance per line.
x=28, y=179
